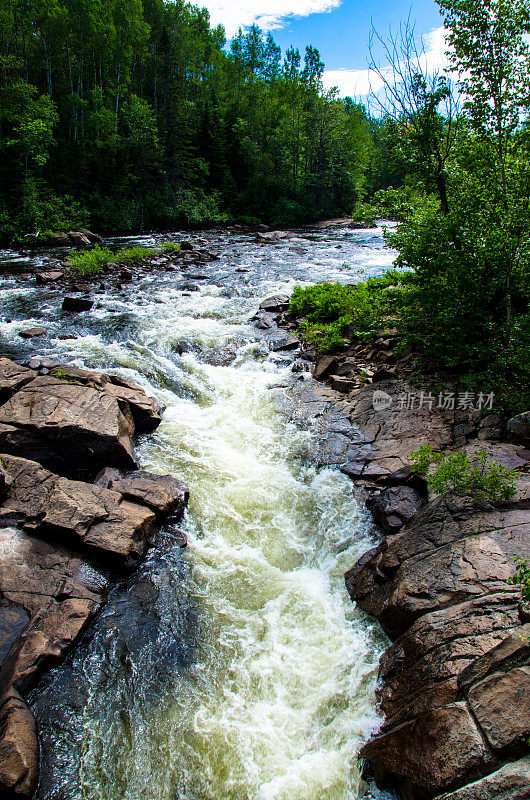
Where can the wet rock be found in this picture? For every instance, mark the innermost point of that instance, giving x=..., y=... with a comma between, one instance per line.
x=44, y=278
x=187, y=287
x=162, y=493
x=77, y=304
x=434, y=752
x=269, y=237
x=519, y=428
x=19, y=748
x=126, y=275
x=186, y=246
x=78, y=239
x=86, y=515
x=510, y=782
x=395, y=506
x=279, y=302
x=265, y=322
x=325, y=366
x=12, y=378
x=32, y=333
x=283, y=342
x=67, y=426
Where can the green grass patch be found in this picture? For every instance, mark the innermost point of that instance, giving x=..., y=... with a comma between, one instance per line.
x=170, y=247
x=133, y=255
x=90, y=262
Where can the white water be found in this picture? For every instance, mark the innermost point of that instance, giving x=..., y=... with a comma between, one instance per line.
x=278, y=696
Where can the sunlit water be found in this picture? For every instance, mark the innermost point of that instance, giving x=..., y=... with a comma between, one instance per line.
x=239, y=670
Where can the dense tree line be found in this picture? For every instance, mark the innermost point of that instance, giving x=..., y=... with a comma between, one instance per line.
x=127, y=114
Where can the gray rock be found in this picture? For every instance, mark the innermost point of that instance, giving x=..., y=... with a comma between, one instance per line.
x=510, y=782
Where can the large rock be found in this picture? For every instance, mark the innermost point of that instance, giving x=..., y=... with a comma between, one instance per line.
x=519, y=428
x=420, y=671
x=163, y=493
x=146, y=411
x=278, y=302
x=395, y=506
x=435, y=752
x=510, y=782
x=85, y=515
x=12, y=378
x=501, y=705
x=67, y=426
x=19, y=749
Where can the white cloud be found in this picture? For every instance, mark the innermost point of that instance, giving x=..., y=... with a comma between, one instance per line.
x=268, y=14
x=359, y=82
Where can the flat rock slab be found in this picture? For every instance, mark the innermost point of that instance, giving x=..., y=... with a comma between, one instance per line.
x=85, y=515
x=163, y=493
x=501, y=705
x=78, y=425
x=12, y=378
x=32, y=333
x=510, y=782
x=19, y=748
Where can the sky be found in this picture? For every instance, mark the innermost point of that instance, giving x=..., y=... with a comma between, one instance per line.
x=340, y=29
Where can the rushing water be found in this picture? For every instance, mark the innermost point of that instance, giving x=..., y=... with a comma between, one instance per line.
x=237, y=669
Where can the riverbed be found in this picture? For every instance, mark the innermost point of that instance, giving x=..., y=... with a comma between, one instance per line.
x=237, y=669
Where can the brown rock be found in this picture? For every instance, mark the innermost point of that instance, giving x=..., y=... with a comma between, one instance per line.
x=510, y=782
x=513, y=651
x=501, y=705
x=19, y=748
x=395, y=506
x=77, y=425
x=31, y=333
x=342, y=384
x=52, y=276
x=87, y=515
x=163, y=493
x=12, y=378
x=78, y=239
x=325, y=366
x=437, y=751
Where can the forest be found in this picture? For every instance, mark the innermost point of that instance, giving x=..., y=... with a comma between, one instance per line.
x=135, y=114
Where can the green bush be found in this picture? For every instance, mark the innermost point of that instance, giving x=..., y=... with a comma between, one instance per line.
x=522, y=576
x=90, y=262
x=170, y=247
x=134, y=255
x=456, y=473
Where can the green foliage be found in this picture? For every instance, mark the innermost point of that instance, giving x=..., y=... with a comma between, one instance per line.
x=90, y=262
x=170, y=247
x=522, y=576
x=481, y=478
x=134, y=255
x=139, y=111
x=329, y=309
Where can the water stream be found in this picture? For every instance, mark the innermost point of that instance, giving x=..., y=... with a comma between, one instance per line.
x=237, y=669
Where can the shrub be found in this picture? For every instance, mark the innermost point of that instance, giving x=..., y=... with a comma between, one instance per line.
x=90, y=262
x=170, y=247
x=522, y=576
x=456, y=473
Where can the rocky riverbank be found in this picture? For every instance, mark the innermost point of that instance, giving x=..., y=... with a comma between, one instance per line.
x=75, y=513
x=455, y=683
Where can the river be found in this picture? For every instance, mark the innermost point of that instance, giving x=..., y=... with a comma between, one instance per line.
x=237, y=669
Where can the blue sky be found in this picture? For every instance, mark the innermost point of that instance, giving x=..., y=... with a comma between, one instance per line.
x=338, y=28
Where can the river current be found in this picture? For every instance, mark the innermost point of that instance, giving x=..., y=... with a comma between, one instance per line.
x=237, y=669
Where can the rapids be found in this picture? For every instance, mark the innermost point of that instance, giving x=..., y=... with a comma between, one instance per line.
x=237, y=669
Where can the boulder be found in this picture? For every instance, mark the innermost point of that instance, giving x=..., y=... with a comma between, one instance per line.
x=78, y=239
x=519, y=428
x=395, y=506
x=283, y=342
x=186, y=246
x=278, y=302
x=51, y=276
x=162, y=493
x=32, y=333
x=146, y=411
x=510, y=782
x=326, y=365
x=87, y=516
x=341, y=384
x=67, y=426
x=19, y=748
x=436, y=752
x=93, y=238
x=501, y=705
x=77, y=304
